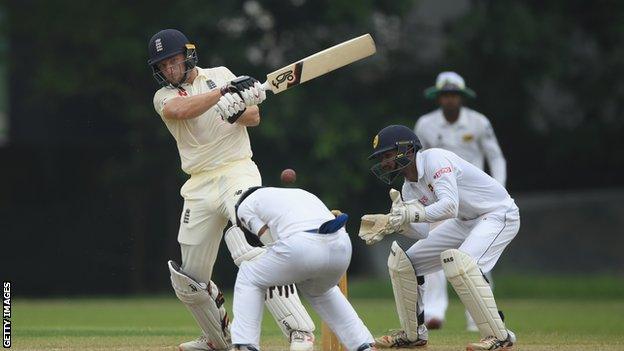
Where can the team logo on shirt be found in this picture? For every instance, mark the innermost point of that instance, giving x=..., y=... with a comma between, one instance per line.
x=423, y=200
x=211, y=84
x=430, y=187
x=441, y=171
x=467, y=138
x=375, y=141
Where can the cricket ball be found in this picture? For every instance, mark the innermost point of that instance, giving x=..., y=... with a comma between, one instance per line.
x=288, y=176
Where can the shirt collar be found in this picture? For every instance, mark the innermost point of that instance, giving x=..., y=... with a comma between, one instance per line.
x=461, y=121
x=420, y=168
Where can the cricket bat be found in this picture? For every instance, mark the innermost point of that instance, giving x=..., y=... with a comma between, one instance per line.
x=320, y=63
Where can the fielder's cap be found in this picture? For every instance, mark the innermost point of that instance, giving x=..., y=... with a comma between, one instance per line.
x=391, y=137
x=449, y=82
x=166, y=43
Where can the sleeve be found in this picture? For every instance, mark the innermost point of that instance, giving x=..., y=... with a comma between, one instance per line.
x=161, y=97
x=248, y=217
x=441, y=174
x=227, y=74
x=493, y=153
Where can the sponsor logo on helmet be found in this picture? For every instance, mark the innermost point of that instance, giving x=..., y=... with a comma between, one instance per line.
x=159, y=46
x=375, y=141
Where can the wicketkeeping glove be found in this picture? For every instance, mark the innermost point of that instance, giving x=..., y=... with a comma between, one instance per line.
x=374, y=227
x=404, y=212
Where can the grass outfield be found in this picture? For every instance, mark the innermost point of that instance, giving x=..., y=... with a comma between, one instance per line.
x=567, y=322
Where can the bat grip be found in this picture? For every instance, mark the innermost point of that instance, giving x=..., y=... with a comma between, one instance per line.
x=266, y=86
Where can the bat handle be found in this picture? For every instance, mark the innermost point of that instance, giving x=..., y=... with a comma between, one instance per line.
x=266, y=86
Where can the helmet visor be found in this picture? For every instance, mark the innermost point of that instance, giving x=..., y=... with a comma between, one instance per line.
x=401, y=160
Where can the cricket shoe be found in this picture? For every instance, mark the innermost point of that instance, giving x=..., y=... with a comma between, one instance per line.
x=492, y=343
x=245, y=347
x=367, y=347
x=200, y=344
x=301, y=341
x=399, y=340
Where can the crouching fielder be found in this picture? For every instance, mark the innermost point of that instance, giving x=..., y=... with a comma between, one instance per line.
x=480, y=220
x=308, y=246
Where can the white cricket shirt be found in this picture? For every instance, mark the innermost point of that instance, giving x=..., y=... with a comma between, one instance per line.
x=450, y=187
x=285, y=211
x=471, y=137
x=207, y=142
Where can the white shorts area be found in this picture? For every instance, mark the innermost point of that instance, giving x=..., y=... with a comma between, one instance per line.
x=483, y=238
x=209, y=200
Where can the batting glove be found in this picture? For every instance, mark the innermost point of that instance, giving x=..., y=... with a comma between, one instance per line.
x=230, y=107
x=248, y=88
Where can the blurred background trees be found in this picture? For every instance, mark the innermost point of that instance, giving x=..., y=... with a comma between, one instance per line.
x=91, y=176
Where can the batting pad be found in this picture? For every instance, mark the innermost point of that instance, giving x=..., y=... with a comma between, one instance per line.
x=407, y=292
x=239, y=247
x=205, y=302
x=283, y=302
x=474, y=291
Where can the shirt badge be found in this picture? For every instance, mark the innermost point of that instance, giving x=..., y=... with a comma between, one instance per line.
x=467, y=138
x=211, y=84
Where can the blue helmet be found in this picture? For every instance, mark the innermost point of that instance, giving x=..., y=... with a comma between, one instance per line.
x=168, y=43
x=394, y=137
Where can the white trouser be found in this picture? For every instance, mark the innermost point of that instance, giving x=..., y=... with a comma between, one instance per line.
x=435, y=298
x=209, y=198
x=315, y=262
x=483, y=238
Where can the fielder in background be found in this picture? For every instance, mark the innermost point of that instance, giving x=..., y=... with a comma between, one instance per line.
x=480, y=220
x=308, y=246
x=470, y=136
x=208, y=111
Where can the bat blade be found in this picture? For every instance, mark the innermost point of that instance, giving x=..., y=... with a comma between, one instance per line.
x=320, y=63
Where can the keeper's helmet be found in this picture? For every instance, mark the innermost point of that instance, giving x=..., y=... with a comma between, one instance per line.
x=393, y=137
x=168, y=43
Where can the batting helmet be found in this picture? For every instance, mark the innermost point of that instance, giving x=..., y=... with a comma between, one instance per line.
x=168, y=43
x=393, y=137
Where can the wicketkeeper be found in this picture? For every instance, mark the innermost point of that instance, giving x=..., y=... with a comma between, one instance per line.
x=480, y=220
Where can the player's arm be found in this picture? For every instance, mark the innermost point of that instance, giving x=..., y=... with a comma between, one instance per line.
x=493, y=154
x=191, y=106
x=444, y=182
x=441, y=175
x=250, y=118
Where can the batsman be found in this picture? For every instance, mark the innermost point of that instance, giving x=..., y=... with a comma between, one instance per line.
x=208, y=112
x=479, y=220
